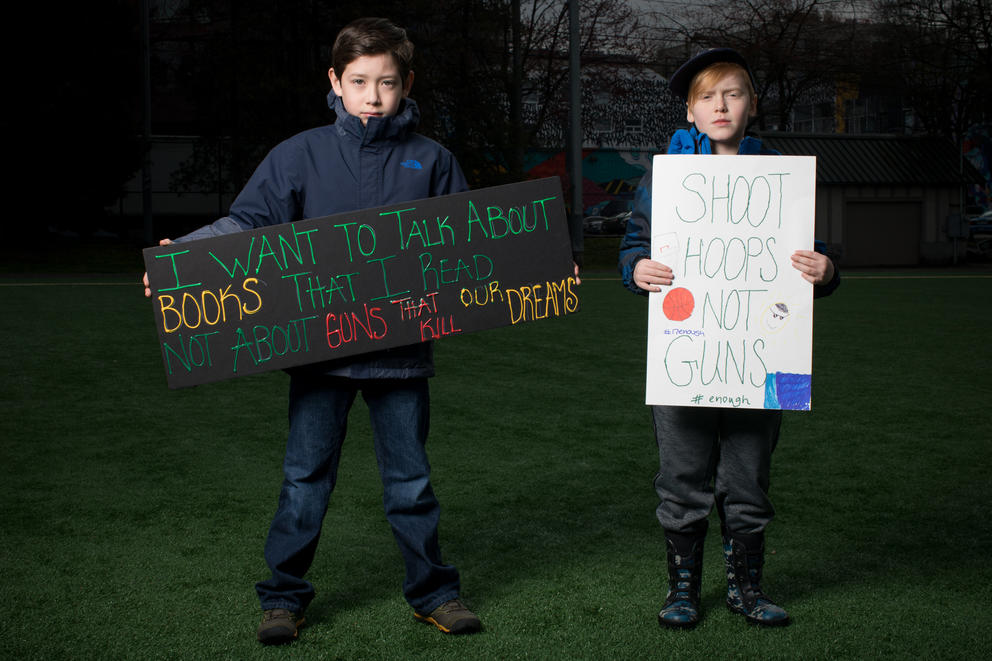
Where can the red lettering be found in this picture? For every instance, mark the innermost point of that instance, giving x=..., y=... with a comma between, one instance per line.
x=343, y=329
x=432, y=328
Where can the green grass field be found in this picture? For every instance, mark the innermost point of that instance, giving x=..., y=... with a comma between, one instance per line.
x=132, y=517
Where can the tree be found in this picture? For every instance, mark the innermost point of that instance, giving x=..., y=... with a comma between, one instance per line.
x=795, y=47
x=940, y=51
x=510, y=60
x=242, y=75
x=254, y=73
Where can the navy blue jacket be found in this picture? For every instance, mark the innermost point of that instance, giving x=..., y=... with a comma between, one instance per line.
x=343, y=167
x=636, y=243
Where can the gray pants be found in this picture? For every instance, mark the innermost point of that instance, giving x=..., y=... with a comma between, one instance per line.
x=714, y=456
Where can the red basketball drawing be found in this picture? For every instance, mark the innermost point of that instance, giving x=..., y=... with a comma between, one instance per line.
x=678, y=304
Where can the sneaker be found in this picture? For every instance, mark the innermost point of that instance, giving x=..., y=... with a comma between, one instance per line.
x=279, y=626
x=452, y=617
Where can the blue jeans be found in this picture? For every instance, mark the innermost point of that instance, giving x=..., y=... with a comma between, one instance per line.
x=318, y=414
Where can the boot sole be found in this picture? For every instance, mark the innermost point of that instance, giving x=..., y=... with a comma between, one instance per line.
x=760, y=623
x=462, y=628
x=282, y=639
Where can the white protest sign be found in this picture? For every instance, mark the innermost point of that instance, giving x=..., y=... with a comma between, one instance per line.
x=735, y=328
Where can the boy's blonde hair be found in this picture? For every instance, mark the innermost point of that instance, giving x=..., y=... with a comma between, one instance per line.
x=711, y=74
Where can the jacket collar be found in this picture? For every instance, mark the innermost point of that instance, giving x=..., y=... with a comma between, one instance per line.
x=392, y=128
x=694, y=142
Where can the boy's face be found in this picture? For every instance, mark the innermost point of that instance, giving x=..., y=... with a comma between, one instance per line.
x=371, y=86
x=722, y=110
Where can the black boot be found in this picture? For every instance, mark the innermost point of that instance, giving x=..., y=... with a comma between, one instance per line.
x=685, y=574
x=745, y=558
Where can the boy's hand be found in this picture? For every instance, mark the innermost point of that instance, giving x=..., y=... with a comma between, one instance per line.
x=144, y=278
x=649, y=275
x=813, y=266
x=578, y=280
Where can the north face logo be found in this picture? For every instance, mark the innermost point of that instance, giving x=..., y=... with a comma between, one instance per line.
x=413, y=164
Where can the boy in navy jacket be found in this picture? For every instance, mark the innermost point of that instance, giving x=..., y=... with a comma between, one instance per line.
x=713, y=456
x=370, y=156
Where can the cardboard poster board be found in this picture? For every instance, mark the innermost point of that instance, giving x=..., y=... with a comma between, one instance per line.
x=735, y=328
x=326, y=288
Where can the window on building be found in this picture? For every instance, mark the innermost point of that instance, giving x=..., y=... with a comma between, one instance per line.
x=813, y=118
x=602, y=122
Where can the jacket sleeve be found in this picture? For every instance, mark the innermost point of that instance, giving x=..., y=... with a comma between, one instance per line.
x=449, y=178
x=271, y=197
x=225, y=225
x=636, y=242
x=819, y=291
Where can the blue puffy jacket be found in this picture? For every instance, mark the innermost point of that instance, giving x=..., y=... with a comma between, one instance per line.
x=343, y=167
x=636, y=243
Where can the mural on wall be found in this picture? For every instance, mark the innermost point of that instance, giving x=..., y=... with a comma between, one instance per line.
x=609, y=177
x=628, y=116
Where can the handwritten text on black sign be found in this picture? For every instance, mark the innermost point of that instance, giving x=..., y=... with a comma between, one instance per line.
x=325, y=288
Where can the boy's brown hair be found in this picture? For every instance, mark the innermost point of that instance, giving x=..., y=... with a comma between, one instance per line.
x=372, y=36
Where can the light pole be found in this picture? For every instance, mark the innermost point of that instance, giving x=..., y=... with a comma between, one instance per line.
x=146, y=137
x=575, y=131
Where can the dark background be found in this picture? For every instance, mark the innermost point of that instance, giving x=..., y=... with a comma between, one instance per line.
x=249, y=73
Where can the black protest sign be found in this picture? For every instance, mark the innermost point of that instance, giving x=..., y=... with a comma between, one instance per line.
x=352, y=283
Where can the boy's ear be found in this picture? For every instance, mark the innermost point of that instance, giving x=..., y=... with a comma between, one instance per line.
x=688, y=114
x=335, y=81
x=408, y=84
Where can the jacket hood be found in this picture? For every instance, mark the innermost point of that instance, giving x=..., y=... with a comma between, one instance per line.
x=394, y=127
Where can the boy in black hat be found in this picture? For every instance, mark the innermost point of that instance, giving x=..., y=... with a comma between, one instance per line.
x=713, y=456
